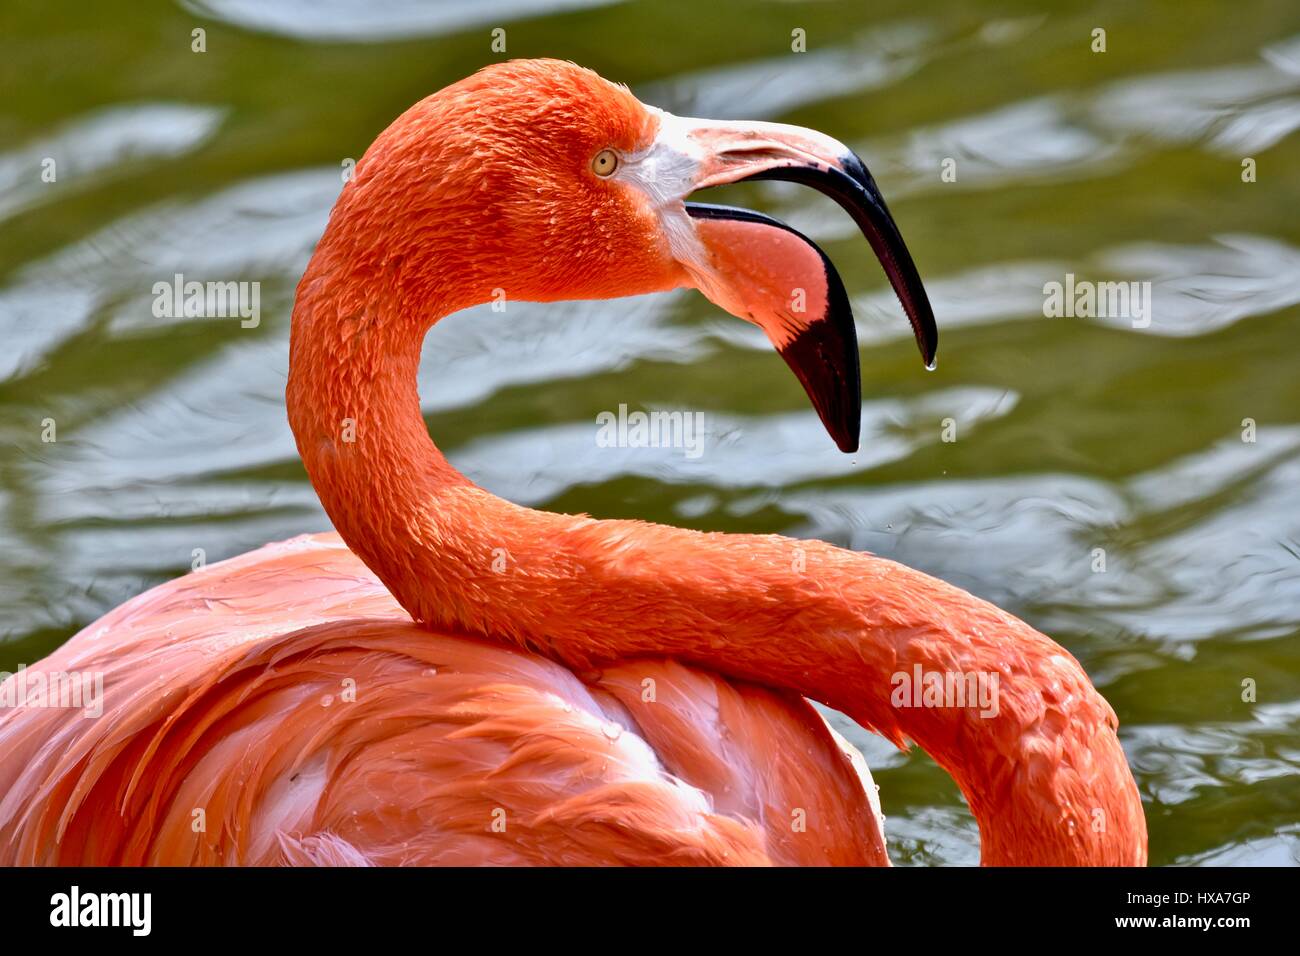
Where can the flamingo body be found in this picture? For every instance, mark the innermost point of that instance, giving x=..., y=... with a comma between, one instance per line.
x=286, y=696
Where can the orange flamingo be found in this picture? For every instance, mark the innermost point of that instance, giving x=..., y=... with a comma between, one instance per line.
x=476, y=682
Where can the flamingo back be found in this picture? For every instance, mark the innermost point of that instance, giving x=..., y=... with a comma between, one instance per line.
x=281, y=708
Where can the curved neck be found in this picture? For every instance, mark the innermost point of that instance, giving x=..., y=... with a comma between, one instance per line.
x=1032, y=745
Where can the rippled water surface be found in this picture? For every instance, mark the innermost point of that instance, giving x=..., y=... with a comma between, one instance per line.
x=1073, y=434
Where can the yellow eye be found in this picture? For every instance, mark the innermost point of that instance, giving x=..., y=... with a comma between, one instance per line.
x=605, y=162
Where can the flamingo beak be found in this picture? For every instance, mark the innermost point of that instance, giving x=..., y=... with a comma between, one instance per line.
x=763, y=271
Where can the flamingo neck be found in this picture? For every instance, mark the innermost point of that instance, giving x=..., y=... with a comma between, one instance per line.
x=1042, y=769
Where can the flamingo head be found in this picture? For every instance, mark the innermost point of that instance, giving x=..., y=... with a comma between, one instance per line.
x=542, y=181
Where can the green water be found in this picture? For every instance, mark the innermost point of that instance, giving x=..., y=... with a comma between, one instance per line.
x=1072, y=434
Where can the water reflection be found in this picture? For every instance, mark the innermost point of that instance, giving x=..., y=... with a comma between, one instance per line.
x=86, y=150
x=538, y=465
x=1236, y=110
x=1198, y=289
x=343, y=20
x=765, y=89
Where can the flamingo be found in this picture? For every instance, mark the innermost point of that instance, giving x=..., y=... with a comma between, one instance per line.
x=453, y=679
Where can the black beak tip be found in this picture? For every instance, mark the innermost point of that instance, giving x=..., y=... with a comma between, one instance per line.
x=825, y=356
x=895, y=258
x=929, y=344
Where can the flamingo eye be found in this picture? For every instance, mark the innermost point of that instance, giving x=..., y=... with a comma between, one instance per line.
x=604, y=163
